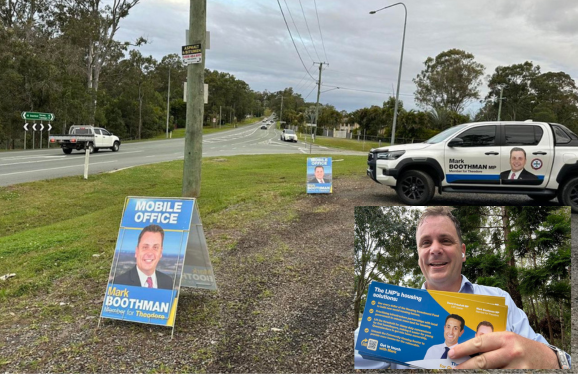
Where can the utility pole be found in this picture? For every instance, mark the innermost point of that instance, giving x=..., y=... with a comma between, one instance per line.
x=318, y=94
x=500, y=105
x=168, y=99
x=195, y=102
x=220, y=116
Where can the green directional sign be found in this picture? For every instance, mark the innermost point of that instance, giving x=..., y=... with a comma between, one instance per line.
x=38, y=116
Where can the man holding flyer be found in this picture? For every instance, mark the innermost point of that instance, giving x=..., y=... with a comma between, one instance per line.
x=441, y=253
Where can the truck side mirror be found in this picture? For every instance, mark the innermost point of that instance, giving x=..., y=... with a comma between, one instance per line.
x=456, y=142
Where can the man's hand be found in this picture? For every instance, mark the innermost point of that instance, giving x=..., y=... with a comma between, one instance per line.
x=505, y=350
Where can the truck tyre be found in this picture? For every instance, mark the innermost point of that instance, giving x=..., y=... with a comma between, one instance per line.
x=95, y=150
x=90, y=148
x=67, y=151
x=115, y=147
x=568, y=194
x=542, y=198
x=415, y=187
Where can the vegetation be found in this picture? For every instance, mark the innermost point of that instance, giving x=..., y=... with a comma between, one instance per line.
x=522, y=250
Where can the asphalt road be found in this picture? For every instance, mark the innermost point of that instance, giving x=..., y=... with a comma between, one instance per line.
x=27, y=166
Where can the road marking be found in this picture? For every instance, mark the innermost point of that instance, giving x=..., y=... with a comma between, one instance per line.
x=62, y=167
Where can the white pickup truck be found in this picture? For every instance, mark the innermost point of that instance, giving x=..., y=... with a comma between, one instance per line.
x=537, y=159
x=86, y=137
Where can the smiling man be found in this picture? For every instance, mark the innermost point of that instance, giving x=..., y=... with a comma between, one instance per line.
x=453, y=329
x=517, y=164
x=148, y=252
x=441, y=253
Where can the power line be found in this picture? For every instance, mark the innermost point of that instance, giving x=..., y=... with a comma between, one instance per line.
x=377, y=92
x=297, y=29
x=284, y=19
x=309, y=93
x=320, y=33
x=304, y=76
x=310, y=36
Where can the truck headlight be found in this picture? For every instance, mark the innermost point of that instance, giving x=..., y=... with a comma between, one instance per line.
x=394, y=155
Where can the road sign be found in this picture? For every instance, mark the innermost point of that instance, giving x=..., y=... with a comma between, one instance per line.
x=34, y=127
x=192, y=54
x=41, y=127
x=38, y=116
x=26, y=126
x=49, y=127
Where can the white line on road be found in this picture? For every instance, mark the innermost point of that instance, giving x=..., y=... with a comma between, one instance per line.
x=62, y=167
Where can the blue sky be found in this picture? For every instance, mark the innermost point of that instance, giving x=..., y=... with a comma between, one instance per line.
x=249, y=39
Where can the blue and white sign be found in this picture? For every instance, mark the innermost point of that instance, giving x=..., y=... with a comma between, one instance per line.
x=319, y=175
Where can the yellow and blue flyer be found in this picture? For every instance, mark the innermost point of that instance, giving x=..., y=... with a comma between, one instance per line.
x=417, y=328
x=146, y=272
x=319, y=175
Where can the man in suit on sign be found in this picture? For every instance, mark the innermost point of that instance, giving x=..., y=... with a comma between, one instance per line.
x=148, y=252
x=517, y=163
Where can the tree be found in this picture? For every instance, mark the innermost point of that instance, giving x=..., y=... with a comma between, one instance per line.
x=518, y=95
x=384, y=243
x=449, y=81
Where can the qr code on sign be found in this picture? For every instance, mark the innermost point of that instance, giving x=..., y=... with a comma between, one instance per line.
x=372, y=344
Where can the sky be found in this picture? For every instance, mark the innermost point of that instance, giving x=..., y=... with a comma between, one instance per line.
x=249, y=39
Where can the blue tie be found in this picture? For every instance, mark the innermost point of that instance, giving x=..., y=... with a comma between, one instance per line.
x=445, y=355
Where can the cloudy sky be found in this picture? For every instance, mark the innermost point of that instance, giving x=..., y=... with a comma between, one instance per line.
x=249, y=39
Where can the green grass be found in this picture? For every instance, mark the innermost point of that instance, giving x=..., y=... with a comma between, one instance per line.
x=350, y=144
x=50, y=230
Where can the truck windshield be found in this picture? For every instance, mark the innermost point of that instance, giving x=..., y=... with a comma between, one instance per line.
x=445, y=134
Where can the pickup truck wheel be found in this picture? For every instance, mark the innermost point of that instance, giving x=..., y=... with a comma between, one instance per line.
x=568, y=194
x=542, y=198
x=67, y=151
x=95, y=150
x=415, y=187
x=90, y=148
x=115, y=147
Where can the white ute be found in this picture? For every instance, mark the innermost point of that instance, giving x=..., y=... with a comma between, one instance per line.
x=537, y=159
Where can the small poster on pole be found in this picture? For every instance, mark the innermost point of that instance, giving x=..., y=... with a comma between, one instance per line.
x=155, y=238
x=319, y=175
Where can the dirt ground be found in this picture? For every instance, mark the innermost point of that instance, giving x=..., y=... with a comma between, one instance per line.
x=284, y=304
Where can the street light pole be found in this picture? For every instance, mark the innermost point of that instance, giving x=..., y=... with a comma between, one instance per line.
x=400, y=65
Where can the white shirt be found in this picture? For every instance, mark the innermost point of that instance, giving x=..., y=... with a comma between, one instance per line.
x=143, y=278
x=515, y=172
x=517, y=322
x=436, y=351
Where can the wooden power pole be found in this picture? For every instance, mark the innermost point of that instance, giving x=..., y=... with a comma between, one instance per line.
x=195, y=102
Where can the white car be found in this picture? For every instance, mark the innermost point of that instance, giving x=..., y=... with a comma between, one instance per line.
x=289, y=136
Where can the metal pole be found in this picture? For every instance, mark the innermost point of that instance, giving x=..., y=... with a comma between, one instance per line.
x=195, y=102
x=220, y=116
x=41, y=128
x=25, y=139
x=168, y=98
x=399, y=73
x=86, y=156
x=500, y=106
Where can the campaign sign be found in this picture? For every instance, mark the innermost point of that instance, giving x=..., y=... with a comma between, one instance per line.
x=416, y=328
x=319, y=175
x=146, y=272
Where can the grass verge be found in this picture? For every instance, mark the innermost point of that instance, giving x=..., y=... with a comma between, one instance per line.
x=64, y=230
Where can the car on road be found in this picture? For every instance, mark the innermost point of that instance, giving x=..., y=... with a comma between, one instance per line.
x=88, y=138
x=289, y=136
x=263, y=127
x=538, y=159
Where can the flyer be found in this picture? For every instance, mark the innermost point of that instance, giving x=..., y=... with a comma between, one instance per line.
x=417, y=328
